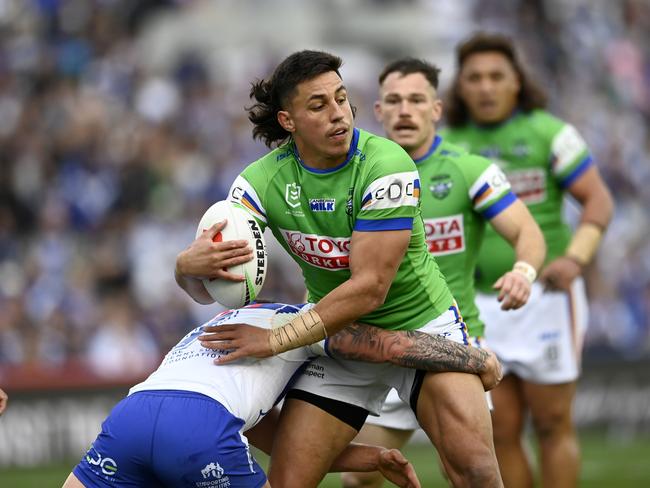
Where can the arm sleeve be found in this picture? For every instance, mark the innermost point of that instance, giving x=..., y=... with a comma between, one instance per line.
x=391, y=192
x=489, y=190
x=243, y=193
x=570, y=156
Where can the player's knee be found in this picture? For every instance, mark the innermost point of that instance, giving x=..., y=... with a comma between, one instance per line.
x=483, y=474
x=552, y=424
x=362, y=480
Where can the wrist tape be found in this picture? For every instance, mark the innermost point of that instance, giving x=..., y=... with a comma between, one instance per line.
x=585, y=242
x=525, y=269
x=307, y=328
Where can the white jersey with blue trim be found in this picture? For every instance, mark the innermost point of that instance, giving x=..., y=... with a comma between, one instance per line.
x=248, y=388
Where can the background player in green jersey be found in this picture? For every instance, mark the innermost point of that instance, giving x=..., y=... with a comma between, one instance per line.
x=344, y=204
x=460, y=193
x=496, y=110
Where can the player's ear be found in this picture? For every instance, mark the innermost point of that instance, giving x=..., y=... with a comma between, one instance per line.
x=436, y=111
x=378, y=112
x=285, y=121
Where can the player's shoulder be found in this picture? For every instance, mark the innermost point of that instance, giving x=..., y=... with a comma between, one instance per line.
x=467, y=163
x=271, y=163
x=544, y=123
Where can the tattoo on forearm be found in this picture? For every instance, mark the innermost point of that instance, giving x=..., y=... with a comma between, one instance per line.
x=411, y=349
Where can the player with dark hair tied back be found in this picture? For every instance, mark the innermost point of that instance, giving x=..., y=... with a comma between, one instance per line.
x=461, y=193
x=495, y=109
x=344, y=204
x=273, y=94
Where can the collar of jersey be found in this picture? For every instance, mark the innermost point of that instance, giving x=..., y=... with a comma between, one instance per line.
x=351, y=151
x=434, y=145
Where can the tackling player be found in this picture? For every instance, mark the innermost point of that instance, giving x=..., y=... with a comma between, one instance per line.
x=460, y=193
x=496, y=110
x=344, y=204
x=183, y=426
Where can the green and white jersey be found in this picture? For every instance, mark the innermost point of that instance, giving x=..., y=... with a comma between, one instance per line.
x=460, y=192
x=313, y=213
x=541, y=156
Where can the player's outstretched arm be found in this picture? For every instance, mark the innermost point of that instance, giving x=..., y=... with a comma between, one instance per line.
x=516, y=225
x=414, y=349
x=391, y=463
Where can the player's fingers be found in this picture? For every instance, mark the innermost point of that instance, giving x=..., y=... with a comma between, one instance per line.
x=234, y=245
x=221, y=328
x=230, y=357
x=219, y=345
x=506, y=286
x=222, y=274
x=229, y=262
x=220, y=335
x=397, y=457
x=498, y=284
x=213, y=230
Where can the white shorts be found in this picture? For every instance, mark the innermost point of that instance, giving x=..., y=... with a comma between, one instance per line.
x=397, y=414
x=542, y=341
x=367, y=384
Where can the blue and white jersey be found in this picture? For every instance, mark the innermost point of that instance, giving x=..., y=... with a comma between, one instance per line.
x=248, y=388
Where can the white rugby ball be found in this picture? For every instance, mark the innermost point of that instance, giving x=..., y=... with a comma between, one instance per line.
x=240, y=225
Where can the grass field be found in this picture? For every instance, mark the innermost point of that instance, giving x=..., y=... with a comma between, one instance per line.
x=606, y=464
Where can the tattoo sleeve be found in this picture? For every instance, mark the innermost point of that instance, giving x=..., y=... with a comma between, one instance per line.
x=410, y=349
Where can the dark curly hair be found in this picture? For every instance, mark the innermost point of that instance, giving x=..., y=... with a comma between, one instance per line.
x=530, y=97
x=272, y=96
x=407, y=66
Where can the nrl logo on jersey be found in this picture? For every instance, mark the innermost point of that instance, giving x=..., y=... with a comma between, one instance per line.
x=292, y=194
x=440, y=186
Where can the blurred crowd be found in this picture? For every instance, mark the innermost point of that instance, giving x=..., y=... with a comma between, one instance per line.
x=106, y=165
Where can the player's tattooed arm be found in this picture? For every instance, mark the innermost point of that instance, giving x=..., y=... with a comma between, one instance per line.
x=413, y=349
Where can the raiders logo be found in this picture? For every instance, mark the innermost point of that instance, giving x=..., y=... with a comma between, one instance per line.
x=440, y=186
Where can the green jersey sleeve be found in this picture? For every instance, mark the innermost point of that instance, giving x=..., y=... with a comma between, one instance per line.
x=248, y=190
x=489, y=189
x=390, y=190
x=570, y=156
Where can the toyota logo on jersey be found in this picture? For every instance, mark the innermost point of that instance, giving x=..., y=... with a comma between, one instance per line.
x=445, y=235
x=324, y=252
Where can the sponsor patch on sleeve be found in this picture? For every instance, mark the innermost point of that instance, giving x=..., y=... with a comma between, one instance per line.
x=568, y=148
x=243, y=193
x=488, y=188
x=392, y=191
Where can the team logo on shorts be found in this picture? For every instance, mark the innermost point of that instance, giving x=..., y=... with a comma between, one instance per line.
x=107, y=465
x=440, y=186
x=214, y=474
x=292, y=194
x=213, y=470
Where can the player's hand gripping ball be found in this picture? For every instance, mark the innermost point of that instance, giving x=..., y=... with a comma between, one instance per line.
x=240, y=225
